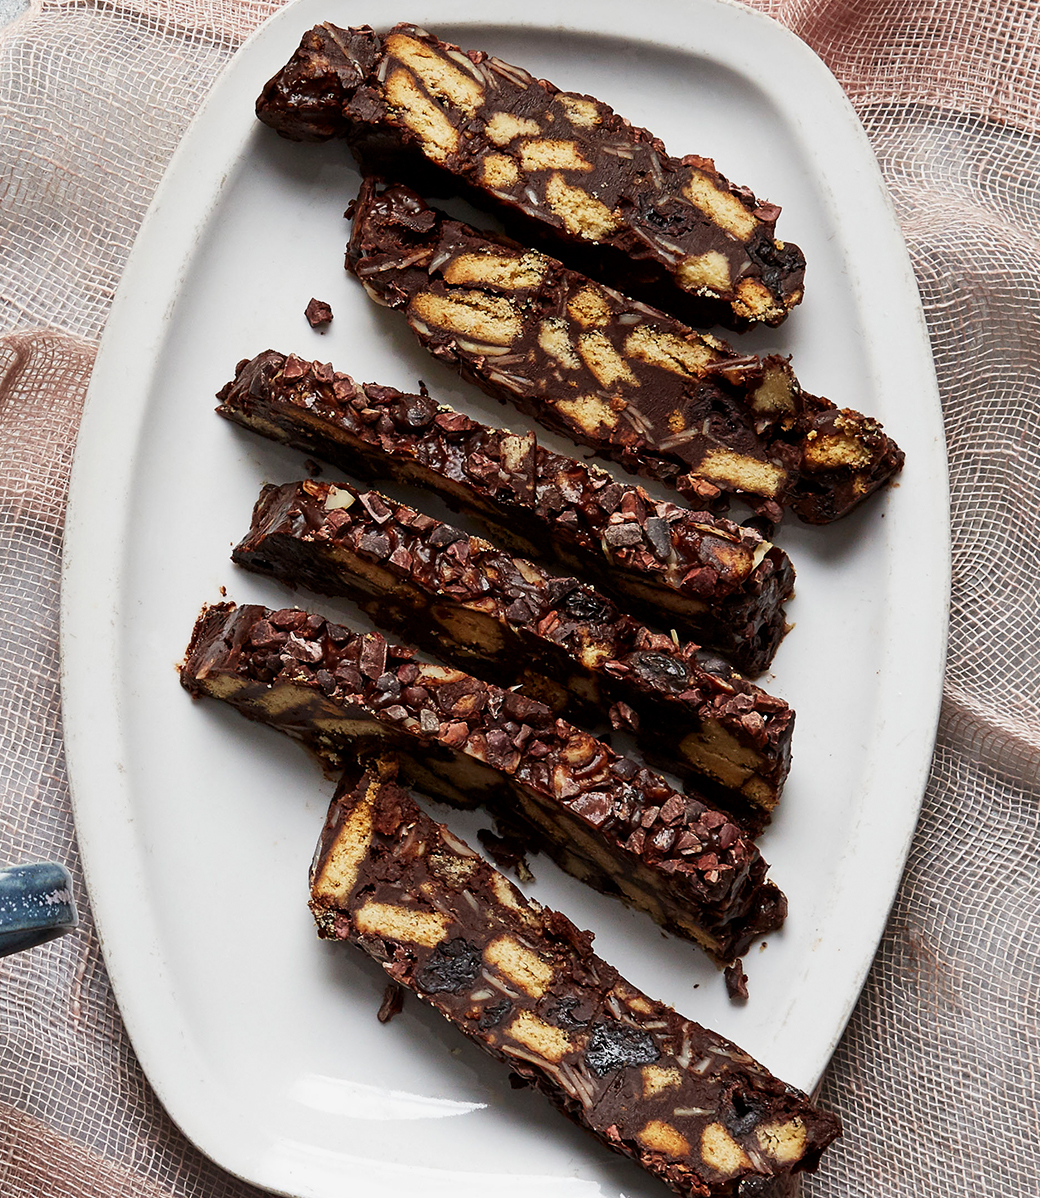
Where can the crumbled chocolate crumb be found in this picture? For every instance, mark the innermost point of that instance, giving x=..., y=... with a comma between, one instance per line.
x=312, y=467
x=507, y=852
x=318, y=313
x=736, y=981
x=393, y=1001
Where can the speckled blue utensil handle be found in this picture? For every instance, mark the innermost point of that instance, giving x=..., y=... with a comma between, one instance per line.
x=36, y=905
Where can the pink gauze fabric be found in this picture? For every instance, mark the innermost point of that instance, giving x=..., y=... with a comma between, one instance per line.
x=936, y=1077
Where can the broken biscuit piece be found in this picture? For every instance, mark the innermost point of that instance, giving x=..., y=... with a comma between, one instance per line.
x=509, y=621
x=522, y=983
x=714, y=581
x=609, y=372
x=613, y=824
x=563, y=171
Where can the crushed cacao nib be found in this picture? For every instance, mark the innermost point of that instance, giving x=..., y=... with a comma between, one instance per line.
x=633, y=384
x=612, y=822
x=561, y=170
x=690, y=1107
x=392, y=1004
x=719, y=584
x=510, y=622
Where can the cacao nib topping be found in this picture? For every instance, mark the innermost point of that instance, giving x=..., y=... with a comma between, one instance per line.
x=450, y=968
x=557, y=637
x=714, y=882
x=614, y=1045
x=550, y=505
x=659, y=536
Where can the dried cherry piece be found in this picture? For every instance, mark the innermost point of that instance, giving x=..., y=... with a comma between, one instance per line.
x=587, y=606
x=450, y=967
x=661, y=669
x=613, y=1046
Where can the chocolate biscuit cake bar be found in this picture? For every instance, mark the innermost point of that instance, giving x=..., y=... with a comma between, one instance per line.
x=602, y=817
x=509, y=621
x=609, y=372
x=521, y=982
x=561, y=170
x=715, y=581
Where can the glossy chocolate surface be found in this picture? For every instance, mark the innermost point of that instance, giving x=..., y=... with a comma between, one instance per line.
x=602, y=817
x=612, y=373
x=717, y=582
x=509, y=621
x=561, y=170
x=522, y=983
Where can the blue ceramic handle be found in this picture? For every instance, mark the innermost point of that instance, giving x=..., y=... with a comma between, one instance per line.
x=36, y=905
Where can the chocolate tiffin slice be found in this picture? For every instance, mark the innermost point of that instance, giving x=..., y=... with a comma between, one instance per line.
x=522, y=983
x=612, y=823
x=717, y=582
x=562, y=170
x=612, y=373
x=511, y=622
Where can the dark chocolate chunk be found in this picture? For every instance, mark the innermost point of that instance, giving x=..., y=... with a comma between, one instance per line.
x=635, y=385
x=689, y=1106
x=560, y=169
x=720, y=584
x=736, y=982
x=507, y=852
x=318, y=313
x=483, y=610
x=575, y=798
x=392, y=1004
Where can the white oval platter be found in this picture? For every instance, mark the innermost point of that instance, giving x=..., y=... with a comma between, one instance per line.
x=197, y=827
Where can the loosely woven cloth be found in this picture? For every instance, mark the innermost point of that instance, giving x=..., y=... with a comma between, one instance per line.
x=936, y=1077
